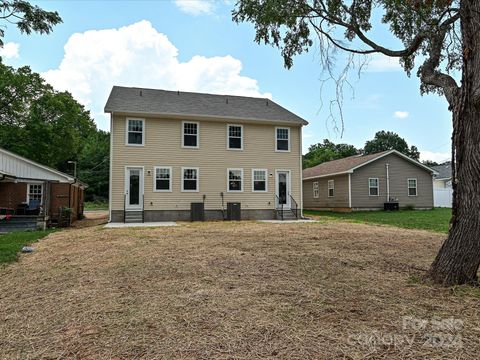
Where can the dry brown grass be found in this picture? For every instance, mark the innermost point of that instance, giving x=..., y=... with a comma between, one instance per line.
x=229, y=290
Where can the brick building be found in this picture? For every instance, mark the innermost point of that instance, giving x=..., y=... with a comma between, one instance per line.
x=31, y=189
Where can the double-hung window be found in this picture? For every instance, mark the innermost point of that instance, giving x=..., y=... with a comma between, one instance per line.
x=163, y=179
x=373, y=187
x=315, y=189
x=331, y=188
x=412, y=187
x=34, y=194
x=190, y=177
x=135, y=132
x=190, y=134
x=259, y=180
x=235, y=137
x=282, y=139
x=235, y=180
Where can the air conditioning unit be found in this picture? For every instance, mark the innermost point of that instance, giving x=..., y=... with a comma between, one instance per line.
x=197, y=211
x=234, y=211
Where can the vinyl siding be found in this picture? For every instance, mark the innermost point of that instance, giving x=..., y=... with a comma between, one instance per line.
x=400, y=170
x=339, y=200
x=163, y=147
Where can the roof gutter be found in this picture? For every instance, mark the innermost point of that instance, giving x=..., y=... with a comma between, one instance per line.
x=205, y=117
x=327, y=175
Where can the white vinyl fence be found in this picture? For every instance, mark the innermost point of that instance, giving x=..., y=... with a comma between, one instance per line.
x=442, y=197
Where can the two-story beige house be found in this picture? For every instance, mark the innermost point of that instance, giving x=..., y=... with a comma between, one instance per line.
x=222, y=153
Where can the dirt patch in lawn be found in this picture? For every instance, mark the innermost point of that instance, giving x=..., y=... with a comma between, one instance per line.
x=235, y=290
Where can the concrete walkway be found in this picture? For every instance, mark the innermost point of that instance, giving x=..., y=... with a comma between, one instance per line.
x=146, y=224
x=288, y=221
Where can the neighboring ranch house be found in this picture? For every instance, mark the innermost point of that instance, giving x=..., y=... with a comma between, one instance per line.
x=29, y=191
x=367, y=182
x=182, y=155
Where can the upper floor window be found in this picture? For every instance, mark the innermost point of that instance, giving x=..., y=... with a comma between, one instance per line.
x=163, y=179
x=282, y=139
x=235, y=179
x=412, y=187
x=331, y=188
x=34, y=195
x=259, y=179
x=190, y=179
x=315, y=189
x=190, y=131
x=135, y=132
x=235, y=137
x=373, y=187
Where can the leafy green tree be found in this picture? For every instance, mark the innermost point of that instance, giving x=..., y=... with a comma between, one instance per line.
x=388, y=140
x=430, y=163
x=94, y=165
x=26, y=17
x=441, y=35
x=49, y=127
x=327, y=151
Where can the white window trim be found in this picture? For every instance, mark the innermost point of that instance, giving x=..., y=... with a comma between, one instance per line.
x=328, y=188
x=317, y=188
x=143, y=131
x=372, y=187
x=408, y=187
x=28, y=191
x=228, y=180
x=289, y=139
x=183, y=136
x=228, y=137
x=155, y=178
x=266, y=181
x=198, y=178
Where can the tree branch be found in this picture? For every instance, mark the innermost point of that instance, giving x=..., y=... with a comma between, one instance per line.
x=428, y=72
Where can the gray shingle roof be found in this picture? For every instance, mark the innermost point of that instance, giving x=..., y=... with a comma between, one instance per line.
x=348, y=164
x=163, y=102
x=444, y=171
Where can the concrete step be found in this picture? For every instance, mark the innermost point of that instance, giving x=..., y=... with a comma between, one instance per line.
x=133, y=217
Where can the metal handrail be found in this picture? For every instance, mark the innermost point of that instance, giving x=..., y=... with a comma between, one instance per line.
x=281, y=206
x=124, y=208
x=143, y=208
x=294, y=211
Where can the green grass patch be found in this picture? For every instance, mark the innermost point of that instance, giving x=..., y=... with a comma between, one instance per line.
x=12, y=243
x=96, y=205
x=433, y=220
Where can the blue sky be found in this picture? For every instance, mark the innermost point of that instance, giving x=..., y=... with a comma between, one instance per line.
x=195, y=46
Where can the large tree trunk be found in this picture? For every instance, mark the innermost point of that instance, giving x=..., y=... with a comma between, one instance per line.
x=459, y=258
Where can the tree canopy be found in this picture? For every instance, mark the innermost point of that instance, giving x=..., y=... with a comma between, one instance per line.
x=327, y=151
x=48, y=126
x=388, y=140
x=26, y=17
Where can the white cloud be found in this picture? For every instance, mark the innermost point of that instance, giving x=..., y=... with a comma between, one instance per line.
x=138, y=55
x=195, y=7
x=438, y=157
x=383, y=63
x=10, y=50
x=401, y=114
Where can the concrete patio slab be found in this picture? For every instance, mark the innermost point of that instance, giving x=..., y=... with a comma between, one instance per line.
x=147, y=224
x=288, y=221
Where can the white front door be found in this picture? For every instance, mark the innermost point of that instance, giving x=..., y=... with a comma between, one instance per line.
x=282, y=188
x=134, y=188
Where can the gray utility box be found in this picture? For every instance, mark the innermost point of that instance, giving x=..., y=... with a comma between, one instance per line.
x=234, y=211
x=197, y=211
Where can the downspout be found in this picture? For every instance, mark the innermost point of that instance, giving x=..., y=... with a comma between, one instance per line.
x=388, y=182
x=350, y=190
x=110, y=171
x=301, y=173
